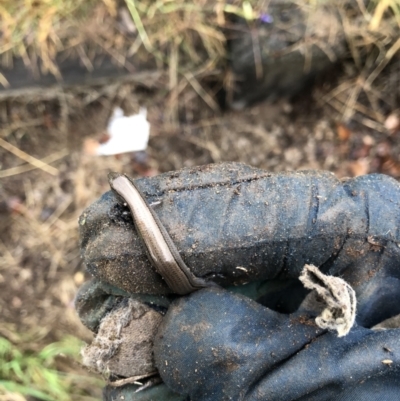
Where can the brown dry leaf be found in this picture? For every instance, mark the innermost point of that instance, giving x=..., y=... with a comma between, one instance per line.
x=359, y=167
x=363, y=149
x=343, y=132
x=390, y=166
x=387, y=163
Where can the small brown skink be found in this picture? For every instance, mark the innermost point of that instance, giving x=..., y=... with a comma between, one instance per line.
x=161, y=249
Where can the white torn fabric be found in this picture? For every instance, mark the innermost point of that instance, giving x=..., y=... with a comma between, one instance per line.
x=127, y=133
x=333, y=297
x=124, y=342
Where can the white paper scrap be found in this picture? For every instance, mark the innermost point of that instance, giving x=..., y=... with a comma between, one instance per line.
x=127, y=133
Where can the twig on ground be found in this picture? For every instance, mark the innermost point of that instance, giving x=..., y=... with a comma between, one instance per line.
x=130, y=380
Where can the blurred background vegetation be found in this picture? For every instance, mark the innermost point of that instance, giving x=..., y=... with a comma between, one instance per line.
x=176, y=62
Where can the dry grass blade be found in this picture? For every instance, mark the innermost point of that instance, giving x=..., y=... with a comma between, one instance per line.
x=3, y=81
x=191, y=29
x=139, y=25
x=388, y=56
x=41, y=29
x=11, y=397
x=202, y=92
x=28, y=158
x=62, y=207
x=130, y=380
x=210, y=146
x=28, y=167
x=381, y=7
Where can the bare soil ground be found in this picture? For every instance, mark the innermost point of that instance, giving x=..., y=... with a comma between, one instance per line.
x=40, y=265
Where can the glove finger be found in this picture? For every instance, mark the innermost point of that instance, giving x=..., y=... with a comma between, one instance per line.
x=233, y=224
x=95, y=299
x=214, y=345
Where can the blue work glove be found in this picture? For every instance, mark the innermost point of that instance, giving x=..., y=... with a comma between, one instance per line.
x=233, y=224
x=214, y=345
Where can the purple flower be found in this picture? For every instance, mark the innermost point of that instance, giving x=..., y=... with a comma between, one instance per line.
x=266, y=18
